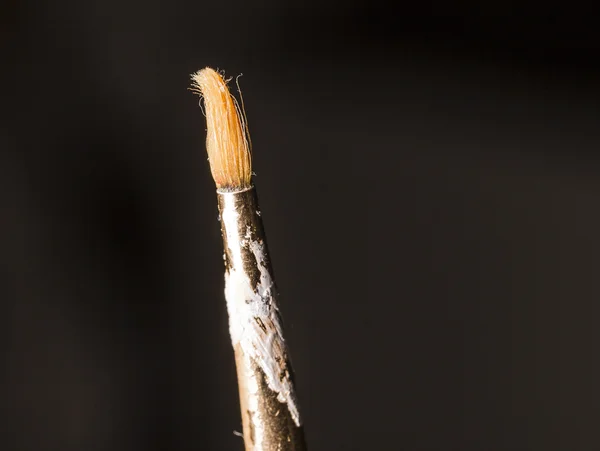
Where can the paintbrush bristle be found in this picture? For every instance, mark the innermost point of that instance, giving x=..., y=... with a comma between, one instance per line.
x=227, y=139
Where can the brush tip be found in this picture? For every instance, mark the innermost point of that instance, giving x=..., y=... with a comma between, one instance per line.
x=227, y=139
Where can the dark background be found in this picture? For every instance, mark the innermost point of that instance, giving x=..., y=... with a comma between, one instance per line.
x=429, y=180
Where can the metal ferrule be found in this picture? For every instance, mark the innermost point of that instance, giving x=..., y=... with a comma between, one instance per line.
x=270, y=416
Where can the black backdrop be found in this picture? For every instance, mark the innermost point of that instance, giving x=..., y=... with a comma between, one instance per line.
x=429, y=182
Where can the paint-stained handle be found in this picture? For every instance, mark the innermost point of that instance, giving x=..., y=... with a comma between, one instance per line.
x=270, y=415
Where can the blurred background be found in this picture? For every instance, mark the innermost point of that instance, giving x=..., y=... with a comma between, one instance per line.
x=429, y=180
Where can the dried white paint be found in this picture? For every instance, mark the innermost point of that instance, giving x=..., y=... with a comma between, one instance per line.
x=252, y=391
x=247, y=306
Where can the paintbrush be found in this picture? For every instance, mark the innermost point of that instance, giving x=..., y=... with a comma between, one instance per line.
x=270, y=417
